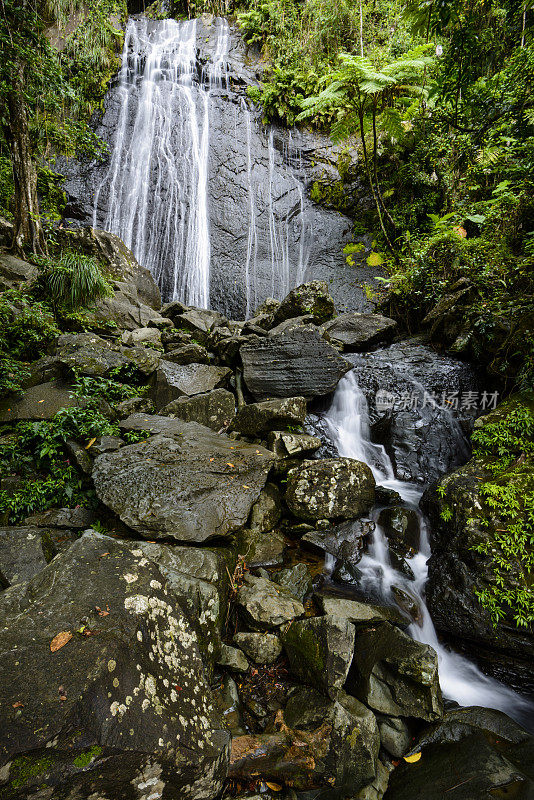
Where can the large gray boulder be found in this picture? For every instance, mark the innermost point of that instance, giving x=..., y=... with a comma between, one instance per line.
x=214, y=409
x=256, y=419
x=320, y=650
x=104, y=690
x=171, y=381
x=295, y=363
x=14, y=271
x=358, y=332
x=394, y=674
x=330, y=488
x=187, y=483
x=262, y=648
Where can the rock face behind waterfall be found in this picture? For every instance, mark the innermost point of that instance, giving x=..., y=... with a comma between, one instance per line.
x=265, y=235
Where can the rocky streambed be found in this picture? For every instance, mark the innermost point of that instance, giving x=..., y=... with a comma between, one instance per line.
x=207, y=626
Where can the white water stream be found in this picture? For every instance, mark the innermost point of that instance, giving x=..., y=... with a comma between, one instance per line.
x=461, y=681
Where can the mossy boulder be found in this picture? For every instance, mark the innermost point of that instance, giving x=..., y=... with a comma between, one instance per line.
x=320, y=650
x=310, y=298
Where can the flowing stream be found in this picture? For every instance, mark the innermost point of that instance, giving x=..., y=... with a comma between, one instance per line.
x=347, y=423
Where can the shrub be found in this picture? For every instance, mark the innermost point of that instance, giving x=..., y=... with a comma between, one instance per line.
x=74, y=281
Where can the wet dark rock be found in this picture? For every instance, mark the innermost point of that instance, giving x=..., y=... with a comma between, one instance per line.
x=320, y=650
x=361, y=331
x=401, y=526
x=408, y=602
x=39, y=402
x=24, y=551
x=189, y=484
x=132, y=725
x=226, y=698
x=296, y=580
x=214, y=409
x=386, y=497
x=457, y=571
x=171, y=381
x=267, y=605
x=295, y=322
x=480, y=771
x=394, y=674
x=267, y=509
x=79, y=456
x=412, y=392
x=330, y=488
x=310, y=298
x=199, y=322
x=255, y=419
x=344, y=541
x=297, y=363
x=262, y=648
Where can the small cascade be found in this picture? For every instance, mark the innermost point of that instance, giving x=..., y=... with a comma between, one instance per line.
x=252, y=240
x=347, y=422
x=156, y=188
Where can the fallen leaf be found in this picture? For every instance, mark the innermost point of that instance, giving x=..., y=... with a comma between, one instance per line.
x=40, y=401
x=230, y=465
x=104, y=554
x=413, y=758
x=246, y=487
x=274, y=787
x=60, y=640
x=100, y=612
x=91, y=443
x=62, y=698
x=18, y=704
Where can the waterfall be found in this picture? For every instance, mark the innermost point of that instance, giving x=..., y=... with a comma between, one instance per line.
x=347, y=423
x=161, y=154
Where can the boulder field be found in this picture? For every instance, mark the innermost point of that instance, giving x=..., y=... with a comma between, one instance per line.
x=177, y=637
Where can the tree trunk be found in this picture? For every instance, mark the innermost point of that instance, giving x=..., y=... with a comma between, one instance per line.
x=28, y=228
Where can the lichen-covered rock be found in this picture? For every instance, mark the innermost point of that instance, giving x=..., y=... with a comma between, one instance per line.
x=266, y=605
x=262, y=648
x=214, y=409
x=310, y=298
x=358, y=332
x=14, y=271
x=394, y=674
x=320, y=650
x=297, y=363
x=142, y=336
x=330, y=488
x=171, y=381
x=104, y=691
x=255, y=419
x=233, y=658
x=190, y=484
x=200, y=577
x=24, y=552
x=89, y=354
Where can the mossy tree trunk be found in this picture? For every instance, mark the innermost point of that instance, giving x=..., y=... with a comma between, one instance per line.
x=28, y=228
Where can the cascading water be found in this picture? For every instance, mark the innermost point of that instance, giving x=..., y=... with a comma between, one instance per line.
x=159, y=89
x=347, y=422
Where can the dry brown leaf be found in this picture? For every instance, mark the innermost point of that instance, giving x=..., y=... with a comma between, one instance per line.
x=60, y=640
x=18, y=704
x=230, y=465
x=274, y=787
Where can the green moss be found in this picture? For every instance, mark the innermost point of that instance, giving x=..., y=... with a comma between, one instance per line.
x=330, y=195
x=25, y=768
x=85, y=758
